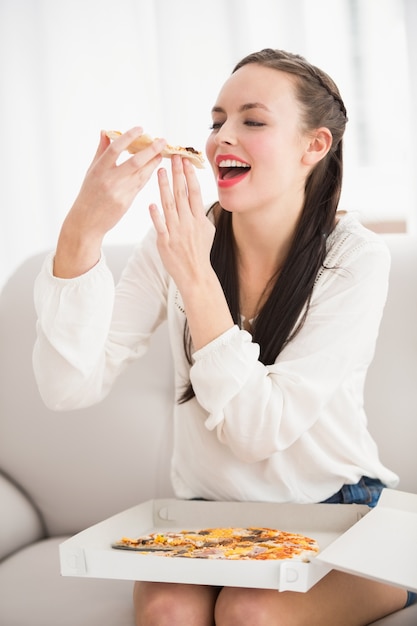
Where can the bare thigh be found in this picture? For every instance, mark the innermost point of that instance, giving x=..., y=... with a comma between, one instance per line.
x=338, y=598
x=171, y=604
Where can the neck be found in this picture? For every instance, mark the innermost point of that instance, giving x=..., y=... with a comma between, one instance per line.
x=263, y=242
x=261, y=250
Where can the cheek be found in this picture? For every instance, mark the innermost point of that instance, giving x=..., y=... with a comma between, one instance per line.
x=262, y=149
x=272, y=154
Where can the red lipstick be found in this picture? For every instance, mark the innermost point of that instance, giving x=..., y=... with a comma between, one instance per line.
x=231, y=170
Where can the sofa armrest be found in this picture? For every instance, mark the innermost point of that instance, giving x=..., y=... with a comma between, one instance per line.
x=20, y=523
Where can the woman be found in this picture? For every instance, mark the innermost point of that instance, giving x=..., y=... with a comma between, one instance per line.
x=273, y=301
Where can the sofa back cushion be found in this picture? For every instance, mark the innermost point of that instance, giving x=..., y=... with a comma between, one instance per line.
x=391, y=389
x=81, y=466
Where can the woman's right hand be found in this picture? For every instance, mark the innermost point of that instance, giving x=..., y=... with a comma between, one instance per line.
x=105, y=196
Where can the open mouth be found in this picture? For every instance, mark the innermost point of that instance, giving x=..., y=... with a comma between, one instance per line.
x=231, y=168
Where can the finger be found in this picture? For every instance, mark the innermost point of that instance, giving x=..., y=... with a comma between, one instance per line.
x=157, y=220
x=151, y=153
x=139, y=168
x=194, y=190
x=167, y=199
x=180, y=186
x=117, y=146
x=101, y=148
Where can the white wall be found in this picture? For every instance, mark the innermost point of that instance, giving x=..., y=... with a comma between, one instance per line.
x=70, y=68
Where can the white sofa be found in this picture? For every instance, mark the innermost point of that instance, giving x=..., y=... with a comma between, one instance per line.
x=62, y=472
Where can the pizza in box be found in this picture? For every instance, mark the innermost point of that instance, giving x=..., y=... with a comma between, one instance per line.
x=252, y=543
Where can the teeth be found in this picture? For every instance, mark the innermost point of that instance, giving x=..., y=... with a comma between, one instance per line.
x=232, y=163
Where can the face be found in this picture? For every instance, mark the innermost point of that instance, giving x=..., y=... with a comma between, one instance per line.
x=256, y=146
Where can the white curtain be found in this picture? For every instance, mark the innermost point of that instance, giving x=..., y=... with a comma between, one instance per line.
x=71, y=68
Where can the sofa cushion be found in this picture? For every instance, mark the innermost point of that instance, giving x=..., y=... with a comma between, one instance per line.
x=33, y=592
x=390, y=398
x=20, y=522
x=406, y=617
x=80, y=467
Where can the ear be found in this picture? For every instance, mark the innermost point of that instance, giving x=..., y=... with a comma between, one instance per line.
x=318, y=146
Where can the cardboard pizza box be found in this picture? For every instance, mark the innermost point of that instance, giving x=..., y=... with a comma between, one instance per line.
x=379, y=544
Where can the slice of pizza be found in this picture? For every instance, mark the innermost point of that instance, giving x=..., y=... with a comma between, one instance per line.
x=145, y=140
x=251, y=543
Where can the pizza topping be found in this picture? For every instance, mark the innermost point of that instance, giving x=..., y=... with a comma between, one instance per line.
x=225, y=543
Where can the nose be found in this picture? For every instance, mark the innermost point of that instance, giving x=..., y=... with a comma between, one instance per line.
x=225, y=135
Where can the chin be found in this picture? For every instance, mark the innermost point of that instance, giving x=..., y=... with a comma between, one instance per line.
x=233, y=205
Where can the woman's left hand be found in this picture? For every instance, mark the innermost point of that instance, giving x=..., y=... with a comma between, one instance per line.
x=184, y=233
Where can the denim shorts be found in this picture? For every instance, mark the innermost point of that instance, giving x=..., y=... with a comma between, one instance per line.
x=411, y=598
x=366, y=491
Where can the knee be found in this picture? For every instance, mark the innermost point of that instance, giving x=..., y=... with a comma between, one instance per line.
x=242, y=607
x=154, y=605
x=172, y=604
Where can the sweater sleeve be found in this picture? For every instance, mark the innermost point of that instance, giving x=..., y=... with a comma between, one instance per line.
x=88, y=330
x=259, y=409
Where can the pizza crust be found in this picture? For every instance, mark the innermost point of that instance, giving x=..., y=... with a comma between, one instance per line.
x=145, y=140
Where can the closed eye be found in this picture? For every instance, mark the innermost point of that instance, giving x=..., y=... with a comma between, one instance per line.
x=253, y=123
x=250, y=123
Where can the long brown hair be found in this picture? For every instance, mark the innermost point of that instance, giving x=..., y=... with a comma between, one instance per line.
x=285, y=309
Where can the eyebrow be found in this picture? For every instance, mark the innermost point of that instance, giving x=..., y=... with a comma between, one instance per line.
x=245, y=107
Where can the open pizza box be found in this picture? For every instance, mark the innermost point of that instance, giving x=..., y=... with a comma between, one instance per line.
x=380, y=544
